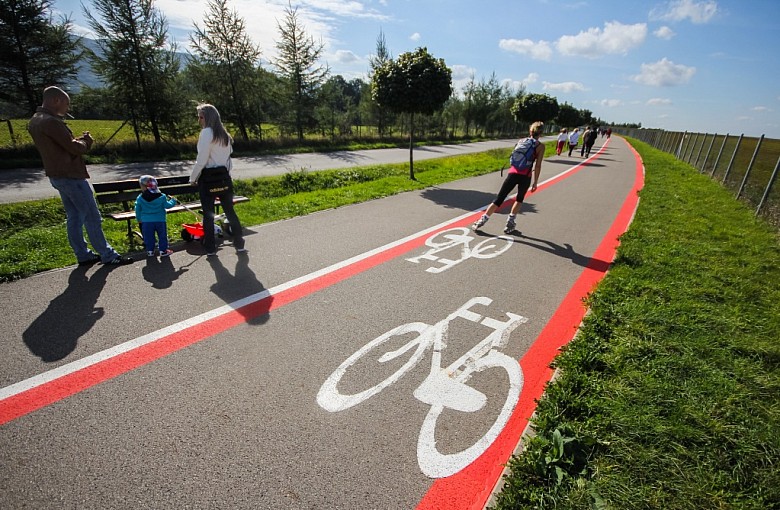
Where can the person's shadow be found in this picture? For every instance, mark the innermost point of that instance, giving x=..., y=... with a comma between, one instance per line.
x=241, y=284
x=566, y=251
x=161, y=273
x=55, y=333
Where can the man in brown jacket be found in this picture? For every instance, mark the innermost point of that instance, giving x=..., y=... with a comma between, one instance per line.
x=64, y=165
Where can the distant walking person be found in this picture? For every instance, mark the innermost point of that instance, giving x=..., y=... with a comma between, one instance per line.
x=588, y=140
x=211, y=174
x=150, y=208
x=526, y=159
x=63, y=162
x=563, y=137
x=585, y=138
x=574, y=137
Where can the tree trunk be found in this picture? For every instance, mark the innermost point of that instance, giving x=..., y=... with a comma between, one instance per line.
x=411, y=146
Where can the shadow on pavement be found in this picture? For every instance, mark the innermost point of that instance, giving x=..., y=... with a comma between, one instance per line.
x=161, y=273
x=55, y=333
x=467, y=200
x=241, y=284
x=565, y=251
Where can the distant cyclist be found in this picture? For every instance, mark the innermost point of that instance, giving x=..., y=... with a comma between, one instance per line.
x=526, y=160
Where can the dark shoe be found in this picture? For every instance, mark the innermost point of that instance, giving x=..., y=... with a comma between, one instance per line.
x=119, y=261
x=93, y=259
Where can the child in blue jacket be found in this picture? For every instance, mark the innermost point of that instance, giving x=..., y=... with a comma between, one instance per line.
x=150, y=209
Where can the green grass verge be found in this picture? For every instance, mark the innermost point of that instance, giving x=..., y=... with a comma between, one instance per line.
x=33, y=236
x=669, y=398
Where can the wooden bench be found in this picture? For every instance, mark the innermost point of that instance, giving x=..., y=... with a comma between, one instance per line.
x=126, y=191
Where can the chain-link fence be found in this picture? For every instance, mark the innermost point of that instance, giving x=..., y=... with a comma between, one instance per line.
x=746, y=165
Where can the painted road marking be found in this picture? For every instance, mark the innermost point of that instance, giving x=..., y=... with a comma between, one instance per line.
x=26, y=396
x=460, y=238
x=445, y=387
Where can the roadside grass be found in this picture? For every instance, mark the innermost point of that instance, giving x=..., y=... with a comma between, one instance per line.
x=669, y=398
x=33, y=236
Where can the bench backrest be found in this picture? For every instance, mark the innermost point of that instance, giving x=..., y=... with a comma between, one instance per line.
x=126, y=191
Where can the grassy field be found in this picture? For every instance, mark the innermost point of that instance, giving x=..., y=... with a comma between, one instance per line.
x=33, y=237
x=669, y=398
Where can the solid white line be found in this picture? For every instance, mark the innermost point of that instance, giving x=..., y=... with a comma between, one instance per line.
x=98, y=357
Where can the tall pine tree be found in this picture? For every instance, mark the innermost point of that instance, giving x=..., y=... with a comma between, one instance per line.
x=137, y=62
x=225, y=65
x=297, y=63
x=36, y=52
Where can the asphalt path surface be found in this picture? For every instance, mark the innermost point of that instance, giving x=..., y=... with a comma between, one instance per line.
x=31, y=183
x=235, y=381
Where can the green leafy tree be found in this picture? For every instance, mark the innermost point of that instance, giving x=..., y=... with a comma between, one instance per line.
x=137, y=62
x=298, y=65
x=36, y=52
x=568, y=116
x=415, y=83
x=533, y=107
x=225, y=62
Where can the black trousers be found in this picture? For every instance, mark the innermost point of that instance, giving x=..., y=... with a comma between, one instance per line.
x=226, y=201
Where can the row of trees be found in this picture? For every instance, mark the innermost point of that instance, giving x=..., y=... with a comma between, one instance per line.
x=150, y=85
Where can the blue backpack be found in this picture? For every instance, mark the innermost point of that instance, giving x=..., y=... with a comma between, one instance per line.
x=523, y=155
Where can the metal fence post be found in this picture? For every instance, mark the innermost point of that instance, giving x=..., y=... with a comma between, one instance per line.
x=692, y=148
x=733, y=157
x=768, y=187
x=701, y=148
x=720, y=153
x=680, y=147
x=750, y=165
x=707, y=156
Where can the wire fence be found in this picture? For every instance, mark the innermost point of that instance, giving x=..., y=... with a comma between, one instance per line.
x=748, y=166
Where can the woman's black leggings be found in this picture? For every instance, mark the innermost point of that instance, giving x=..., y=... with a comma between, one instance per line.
x=523, y=182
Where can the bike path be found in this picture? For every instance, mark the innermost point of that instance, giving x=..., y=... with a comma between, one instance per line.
x=233, y=420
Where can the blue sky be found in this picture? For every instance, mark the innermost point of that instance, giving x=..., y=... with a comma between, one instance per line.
x=696, y=65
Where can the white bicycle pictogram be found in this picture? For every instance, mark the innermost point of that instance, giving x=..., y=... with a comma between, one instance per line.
x=445, y=387
x=460, y=237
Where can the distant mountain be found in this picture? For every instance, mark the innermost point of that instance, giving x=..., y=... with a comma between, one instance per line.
x=86, y=77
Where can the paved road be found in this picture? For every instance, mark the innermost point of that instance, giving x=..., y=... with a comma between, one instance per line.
x=31, y=184
x=243, y=381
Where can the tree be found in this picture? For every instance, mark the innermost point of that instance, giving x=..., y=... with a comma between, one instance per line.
x=568, y=116
x=414, y=83
x=381, y=58
x=36, y=52
x=137, y=62
x=533, y=107
x=297, y=63
x=225, y=63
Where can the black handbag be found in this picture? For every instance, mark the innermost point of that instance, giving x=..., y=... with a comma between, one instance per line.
x=216, y=180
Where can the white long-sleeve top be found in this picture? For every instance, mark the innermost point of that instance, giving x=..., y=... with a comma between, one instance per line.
x=210, y=154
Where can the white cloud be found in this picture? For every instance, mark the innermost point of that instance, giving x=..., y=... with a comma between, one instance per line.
x=658, y=101
x=461, y=72
x=680, y=10
x=525, y=82
x=663, y=116
x=345, y=57
x=664, y=73
x=744, y=117
x=611, y=103
x=536, y=50
x=566, y=86
x=760, y=109
x=664, y=33
x=615, y=39
x=415, y=36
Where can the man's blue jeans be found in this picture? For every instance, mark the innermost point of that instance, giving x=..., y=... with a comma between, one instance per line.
x=82, y=212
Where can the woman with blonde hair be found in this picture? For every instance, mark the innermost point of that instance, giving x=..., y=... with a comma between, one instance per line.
x=526, y=160
x=211, y=174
